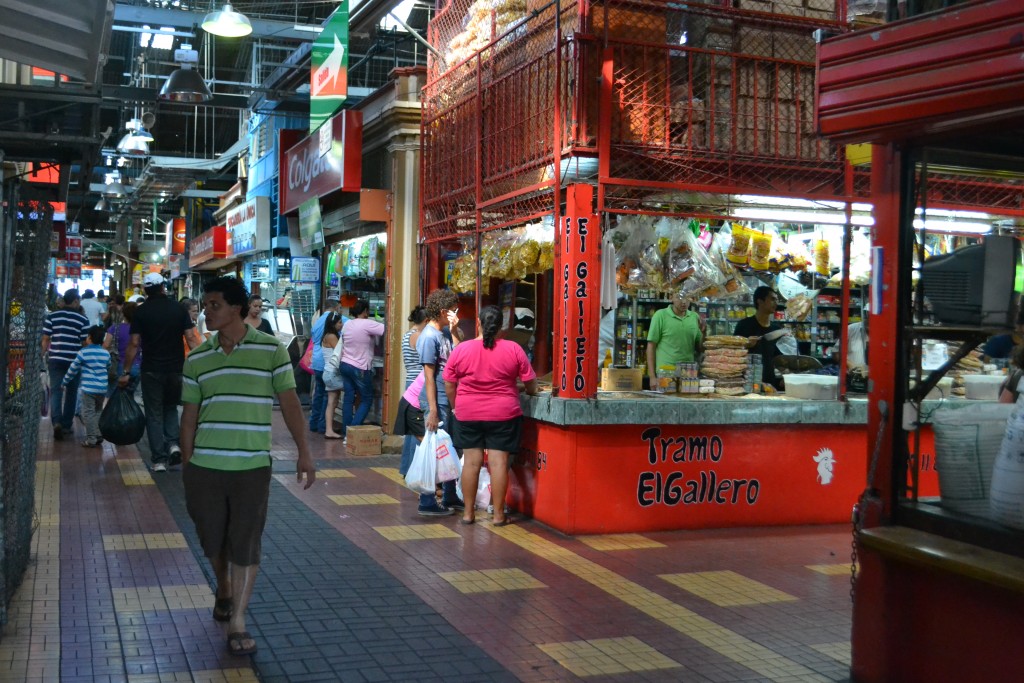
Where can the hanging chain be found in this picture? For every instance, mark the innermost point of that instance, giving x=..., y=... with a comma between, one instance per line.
x=857, y=518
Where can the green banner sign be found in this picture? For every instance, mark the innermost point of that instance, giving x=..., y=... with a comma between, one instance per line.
x=311, y=229
x=328, y=78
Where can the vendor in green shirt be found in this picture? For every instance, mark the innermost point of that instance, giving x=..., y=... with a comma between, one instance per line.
x=676, y=336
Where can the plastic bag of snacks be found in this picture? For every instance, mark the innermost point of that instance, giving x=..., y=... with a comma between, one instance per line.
x=760, y=249
x=799, y=307
x=739, y=245
x=822, y=264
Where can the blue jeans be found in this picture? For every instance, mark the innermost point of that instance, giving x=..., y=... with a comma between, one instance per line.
x=62, y=399
x=318, y=404
x=356, y=380
x=161, y=394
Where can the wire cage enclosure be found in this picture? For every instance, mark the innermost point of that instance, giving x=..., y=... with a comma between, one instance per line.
x=646, y=99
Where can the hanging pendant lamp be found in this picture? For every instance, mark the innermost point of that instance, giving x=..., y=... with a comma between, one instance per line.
x=133, y=145
x=185, y=85
x=227, y=23
x=102, y=205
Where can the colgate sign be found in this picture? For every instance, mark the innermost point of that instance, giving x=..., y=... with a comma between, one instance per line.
x=306, y=174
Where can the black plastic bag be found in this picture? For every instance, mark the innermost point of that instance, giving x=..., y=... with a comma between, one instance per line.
x=122, y=421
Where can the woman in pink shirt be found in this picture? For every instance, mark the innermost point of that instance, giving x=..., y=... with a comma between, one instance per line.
x=356, y=366
x=481, y=382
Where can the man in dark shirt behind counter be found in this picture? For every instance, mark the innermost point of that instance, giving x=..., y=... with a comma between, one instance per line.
x=160, y=326
x=763, y=333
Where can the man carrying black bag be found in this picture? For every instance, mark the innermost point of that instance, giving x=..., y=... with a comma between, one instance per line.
x=122, y=421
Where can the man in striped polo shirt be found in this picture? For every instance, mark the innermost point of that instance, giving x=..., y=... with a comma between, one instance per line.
x=63, y=334
x=228, y=391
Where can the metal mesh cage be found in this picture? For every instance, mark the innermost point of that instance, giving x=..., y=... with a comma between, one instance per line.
x=25, y=230
x=686, y=98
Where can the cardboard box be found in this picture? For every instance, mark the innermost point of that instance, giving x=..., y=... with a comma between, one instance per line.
x=363, y=440
x=622, y=379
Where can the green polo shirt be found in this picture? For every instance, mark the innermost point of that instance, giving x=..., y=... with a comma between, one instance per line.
x=676, y=336
x=235, y=393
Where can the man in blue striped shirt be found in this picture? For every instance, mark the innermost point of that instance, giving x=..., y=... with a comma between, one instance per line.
x=92, y=363
x=63, y=334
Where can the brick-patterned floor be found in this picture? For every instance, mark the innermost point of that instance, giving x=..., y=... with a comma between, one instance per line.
x=354, y=586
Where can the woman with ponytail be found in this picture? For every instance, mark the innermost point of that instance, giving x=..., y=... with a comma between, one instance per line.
x=481, y=380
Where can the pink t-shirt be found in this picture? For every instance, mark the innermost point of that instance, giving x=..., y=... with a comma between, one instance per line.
x=412, y=394
x=487, y=379
x=358, y=334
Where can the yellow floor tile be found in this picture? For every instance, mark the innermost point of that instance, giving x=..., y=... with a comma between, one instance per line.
x=364, y=499
x=620, y=542
x=727, y=588
x=728, y=643
x=607, y=656
x=30, y=646
x=837, y=651
x=390, y=473
x=415, y=533
x=491, y=580
x=134, y=472
x=831, y=569
x=143, y=541
x=159, y=598
x=333, y=474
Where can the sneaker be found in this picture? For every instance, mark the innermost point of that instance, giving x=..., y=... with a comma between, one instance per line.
x=439, y=511
x=454, y=505
x=174, y=456
x=89, y=443
x=58, y=433
x=159, y=467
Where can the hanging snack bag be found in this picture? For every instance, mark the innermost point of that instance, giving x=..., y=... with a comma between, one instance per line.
x=822, y=265
x=739, y=246
x=760, y=250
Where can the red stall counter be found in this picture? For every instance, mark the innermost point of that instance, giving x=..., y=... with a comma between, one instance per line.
x=632, y=463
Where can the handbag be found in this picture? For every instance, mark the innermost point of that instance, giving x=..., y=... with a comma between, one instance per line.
x=306, y=362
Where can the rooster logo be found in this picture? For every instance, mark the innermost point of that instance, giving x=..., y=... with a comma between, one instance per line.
x=826, y=461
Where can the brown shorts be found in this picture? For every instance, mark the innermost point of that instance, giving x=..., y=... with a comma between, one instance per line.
x=229, y=510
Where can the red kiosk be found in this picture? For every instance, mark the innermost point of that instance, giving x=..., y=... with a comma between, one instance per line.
x=939, y=596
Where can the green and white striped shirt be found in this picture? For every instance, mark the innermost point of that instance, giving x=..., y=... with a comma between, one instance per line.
x=235, y=394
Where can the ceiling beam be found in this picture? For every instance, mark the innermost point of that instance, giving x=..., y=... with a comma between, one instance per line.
x=261, y=28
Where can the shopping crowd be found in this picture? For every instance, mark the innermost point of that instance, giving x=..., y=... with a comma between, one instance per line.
x=228, y=379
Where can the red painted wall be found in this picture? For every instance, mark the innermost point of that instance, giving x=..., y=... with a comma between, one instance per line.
x=917, y=624
x=600, y=479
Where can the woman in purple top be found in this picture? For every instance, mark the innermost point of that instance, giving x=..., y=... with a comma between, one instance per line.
x=117, y=338
x=356, y=366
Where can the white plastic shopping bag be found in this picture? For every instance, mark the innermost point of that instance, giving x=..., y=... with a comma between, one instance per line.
x=483, y=486
x=448, y=467
x=422, y=474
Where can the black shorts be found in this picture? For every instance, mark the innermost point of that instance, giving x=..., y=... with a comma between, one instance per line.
x=229, y=510
x=497, y=435
x=409, y=421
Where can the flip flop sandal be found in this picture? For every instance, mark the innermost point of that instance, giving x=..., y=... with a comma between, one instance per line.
x=237, y=639
x=223, y=608
x=467, y=521
x=504, y=522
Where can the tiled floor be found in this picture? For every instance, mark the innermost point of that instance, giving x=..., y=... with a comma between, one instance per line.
x=354, y=586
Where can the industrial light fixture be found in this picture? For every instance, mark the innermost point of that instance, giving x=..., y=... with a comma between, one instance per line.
x=114, y=189
x=102, y=205
x=227, y=23
x=810, y=217
x=133, y=145
x=185, y=84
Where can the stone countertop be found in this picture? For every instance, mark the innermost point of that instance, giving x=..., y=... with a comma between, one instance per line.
x=644, y=407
